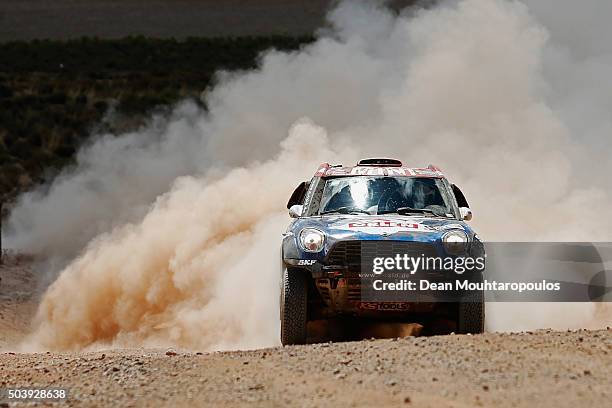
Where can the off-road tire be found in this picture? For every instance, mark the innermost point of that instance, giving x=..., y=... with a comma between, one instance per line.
x=294, y=307
x=471, y=315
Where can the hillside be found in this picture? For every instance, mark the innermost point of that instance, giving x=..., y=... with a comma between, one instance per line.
x=55, y=94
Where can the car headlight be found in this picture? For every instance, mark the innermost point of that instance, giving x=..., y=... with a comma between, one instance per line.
x=312, y=240
x=455, y=241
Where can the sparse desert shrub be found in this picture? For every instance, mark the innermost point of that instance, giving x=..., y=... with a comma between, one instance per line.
x=53, y=93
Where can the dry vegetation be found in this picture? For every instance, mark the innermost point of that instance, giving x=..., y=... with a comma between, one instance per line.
x=54, y=94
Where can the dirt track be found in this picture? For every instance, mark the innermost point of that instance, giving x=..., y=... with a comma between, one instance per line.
x=544, y=368
x=17, y=300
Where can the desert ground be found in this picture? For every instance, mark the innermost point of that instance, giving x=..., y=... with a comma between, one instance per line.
x=543, y=368
x=540, y=368
x=18, y=299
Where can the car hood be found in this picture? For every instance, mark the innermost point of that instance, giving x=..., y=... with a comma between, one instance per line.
x=388, y=226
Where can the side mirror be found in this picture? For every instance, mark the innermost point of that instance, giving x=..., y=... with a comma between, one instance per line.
x=295, y=211
x=461, y=201
x=297, y=197
x=466, y=213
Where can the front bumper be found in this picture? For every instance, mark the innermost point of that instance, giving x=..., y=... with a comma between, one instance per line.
x=344, y=277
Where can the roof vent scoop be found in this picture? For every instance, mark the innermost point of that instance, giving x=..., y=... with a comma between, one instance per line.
x=380, y=162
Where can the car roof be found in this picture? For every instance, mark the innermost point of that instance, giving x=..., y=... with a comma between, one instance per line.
x=378, y=167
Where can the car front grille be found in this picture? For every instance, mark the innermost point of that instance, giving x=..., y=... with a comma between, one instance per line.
x=351, y=253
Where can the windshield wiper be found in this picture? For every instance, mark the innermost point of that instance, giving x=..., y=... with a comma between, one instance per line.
x=407, y=210
x=345, y=210
x=410, y=210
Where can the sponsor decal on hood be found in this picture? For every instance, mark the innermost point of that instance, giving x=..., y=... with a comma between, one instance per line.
x=381, y=225
x=389, y=224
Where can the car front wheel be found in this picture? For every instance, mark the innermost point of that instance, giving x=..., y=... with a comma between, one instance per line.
x=471, y=316
x=294, y=305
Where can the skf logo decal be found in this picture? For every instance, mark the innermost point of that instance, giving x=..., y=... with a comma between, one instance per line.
x=306, y=262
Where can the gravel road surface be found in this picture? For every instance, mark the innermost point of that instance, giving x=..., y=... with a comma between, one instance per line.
x=542, y=368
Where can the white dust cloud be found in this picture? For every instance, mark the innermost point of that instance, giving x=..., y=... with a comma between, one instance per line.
x=200, y=270
x=481, y=88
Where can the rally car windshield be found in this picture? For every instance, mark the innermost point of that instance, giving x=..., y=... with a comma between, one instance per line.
x=384, y=195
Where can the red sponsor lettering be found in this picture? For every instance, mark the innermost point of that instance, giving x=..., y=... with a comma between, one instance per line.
x=383, y=224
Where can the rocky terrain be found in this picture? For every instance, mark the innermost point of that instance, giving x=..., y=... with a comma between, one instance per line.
x=17, y=299
x=541, y=368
